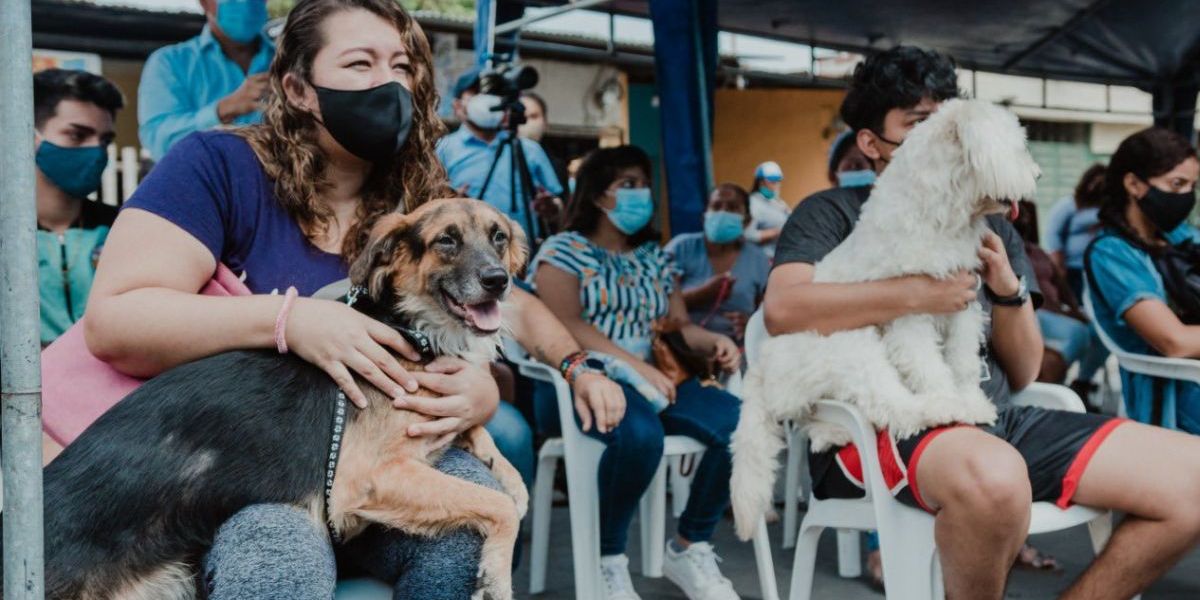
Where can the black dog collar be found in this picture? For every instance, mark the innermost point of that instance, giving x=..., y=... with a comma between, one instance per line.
x=417, y=339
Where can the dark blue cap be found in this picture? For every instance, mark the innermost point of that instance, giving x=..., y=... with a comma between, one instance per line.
x=467, y=81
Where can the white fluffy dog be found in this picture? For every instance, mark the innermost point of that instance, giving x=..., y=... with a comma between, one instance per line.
x=925, y=216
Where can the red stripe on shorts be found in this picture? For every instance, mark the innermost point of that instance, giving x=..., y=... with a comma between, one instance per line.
x=915, y=459
x=1079, y=465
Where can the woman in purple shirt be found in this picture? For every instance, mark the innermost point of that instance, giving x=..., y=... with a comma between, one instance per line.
x=347, y=137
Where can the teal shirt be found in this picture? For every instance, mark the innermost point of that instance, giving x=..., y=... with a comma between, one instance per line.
x=66, y=266
x=1119, y=276
x=182, y=84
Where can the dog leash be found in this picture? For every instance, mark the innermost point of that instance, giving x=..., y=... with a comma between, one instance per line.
x=424, y=347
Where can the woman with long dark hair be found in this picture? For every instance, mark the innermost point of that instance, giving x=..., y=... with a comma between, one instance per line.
x=608, y=280
x=1150, y=189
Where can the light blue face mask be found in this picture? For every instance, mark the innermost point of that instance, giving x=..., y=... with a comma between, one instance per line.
x=767, y=192
x=633, y=210
x=722, y=227
x=861, y=178
x=241, y=20
x=75, y=171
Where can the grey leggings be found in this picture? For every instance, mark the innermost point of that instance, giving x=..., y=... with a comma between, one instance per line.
x=274, y=551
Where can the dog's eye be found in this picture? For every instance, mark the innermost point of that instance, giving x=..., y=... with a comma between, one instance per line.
x=445, y=240
x=499, y=237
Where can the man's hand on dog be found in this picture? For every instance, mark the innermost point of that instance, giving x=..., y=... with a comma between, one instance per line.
x=942, y=296
x=597, y=395
x=467, y=396
x=339, y=339
x=997, y=272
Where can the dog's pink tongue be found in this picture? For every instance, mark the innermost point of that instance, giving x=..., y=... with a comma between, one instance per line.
x=485, y=315
x=1014, y=211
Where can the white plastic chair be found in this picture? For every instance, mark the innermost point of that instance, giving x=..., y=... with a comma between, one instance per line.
x=911, y=568
x=582, y=457
x=1157, y=366
x=795, y=474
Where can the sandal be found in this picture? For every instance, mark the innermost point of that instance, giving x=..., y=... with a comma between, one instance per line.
x=1032, y=558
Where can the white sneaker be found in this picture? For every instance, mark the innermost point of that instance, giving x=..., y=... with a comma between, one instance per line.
x=695, y=571
x=614, y=572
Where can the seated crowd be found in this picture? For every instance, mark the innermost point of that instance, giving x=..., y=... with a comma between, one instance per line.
x=288, y=199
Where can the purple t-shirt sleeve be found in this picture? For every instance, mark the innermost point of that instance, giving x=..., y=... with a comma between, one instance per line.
x=190, y=187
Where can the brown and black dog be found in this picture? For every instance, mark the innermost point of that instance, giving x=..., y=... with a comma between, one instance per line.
x=133, y=504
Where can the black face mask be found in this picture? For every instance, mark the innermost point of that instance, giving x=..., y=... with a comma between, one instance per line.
x=1167, y=210
x=371, y=124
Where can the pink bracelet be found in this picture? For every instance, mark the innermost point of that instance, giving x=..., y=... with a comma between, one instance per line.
x=289, y=298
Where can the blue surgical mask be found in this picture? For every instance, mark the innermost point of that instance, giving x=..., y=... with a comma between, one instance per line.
x=241, y=20
x=75, y=171
x=862, y=178
x=767, y=192
x=633, y=210
x=571, y=185
x=722, y=227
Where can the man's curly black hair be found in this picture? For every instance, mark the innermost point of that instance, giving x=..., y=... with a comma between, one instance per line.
x=52, y=86
x=897, y=78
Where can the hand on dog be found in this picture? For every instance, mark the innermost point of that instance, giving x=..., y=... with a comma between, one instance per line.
x=727, y=354
x=597, y=395
x=339, y=339
x=997, y=271
x=943, y=296
x=656, y=378
x=468, y=396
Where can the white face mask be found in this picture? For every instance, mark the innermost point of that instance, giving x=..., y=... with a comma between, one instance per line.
x=480, y=113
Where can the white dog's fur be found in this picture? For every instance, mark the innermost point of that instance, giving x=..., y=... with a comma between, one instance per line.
x=925, y=216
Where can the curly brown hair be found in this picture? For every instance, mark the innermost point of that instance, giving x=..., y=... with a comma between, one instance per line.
x=286, y=141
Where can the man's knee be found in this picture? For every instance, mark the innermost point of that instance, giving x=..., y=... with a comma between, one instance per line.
x=991, y=481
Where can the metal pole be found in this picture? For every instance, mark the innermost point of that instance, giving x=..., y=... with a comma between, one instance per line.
x=20, y=350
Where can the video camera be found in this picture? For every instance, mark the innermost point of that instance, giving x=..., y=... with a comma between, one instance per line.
x=507, y=80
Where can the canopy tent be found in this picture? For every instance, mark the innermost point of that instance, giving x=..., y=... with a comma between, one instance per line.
x=1153, y=45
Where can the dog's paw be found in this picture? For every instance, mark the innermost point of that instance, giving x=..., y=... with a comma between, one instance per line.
x=905, y=424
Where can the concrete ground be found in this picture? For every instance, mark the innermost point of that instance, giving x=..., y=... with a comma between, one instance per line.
x=1071, y=548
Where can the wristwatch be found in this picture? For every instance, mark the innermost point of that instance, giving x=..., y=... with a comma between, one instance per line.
x=580, y=362
x=1017, y=299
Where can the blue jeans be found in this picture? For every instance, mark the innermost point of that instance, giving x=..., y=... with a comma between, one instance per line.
x=514, y=439
x=1073, y=340
x=634, y=450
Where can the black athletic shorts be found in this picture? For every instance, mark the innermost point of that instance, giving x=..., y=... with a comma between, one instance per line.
x=1056, y=446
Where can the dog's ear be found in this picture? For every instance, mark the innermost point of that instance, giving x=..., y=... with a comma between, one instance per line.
x=518, y=247
x=386, y=248
x=994, y=149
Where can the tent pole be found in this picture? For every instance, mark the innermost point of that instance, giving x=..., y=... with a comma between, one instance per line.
x=20, y=351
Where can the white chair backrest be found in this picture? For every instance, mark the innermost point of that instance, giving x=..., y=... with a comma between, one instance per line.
x=756, y=334
x=1090, y=311
x=1158, y=366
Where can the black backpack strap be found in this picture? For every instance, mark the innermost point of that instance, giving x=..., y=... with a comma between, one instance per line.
x=1087, y=270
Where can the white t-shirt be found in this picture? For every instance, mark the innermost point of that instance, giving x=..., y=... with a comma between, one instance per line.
x=765, y=214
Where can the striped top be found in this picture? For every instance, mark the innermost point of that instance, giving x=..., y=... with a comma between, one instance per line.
x=622, y=294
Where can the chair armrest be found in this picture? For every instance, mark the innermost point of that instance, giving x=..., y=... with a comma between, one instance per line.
x=862, y=435
x=1049, y=396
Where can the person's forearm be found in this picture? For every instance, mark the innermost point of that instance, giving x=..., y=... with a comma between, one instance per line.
x=539, y=332
x=1017, y=342
x=698, y=297
x=147, y=331
x=830, y=307
x=591, y=338
x=769, y=235
x=699, y=338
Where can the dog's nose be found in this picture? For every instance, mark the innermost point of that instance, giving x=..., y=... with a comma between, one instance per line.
x=494, y=279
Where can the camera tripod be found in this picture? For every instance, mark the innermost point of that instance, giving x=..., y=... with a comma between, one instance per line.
x=519, y=196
